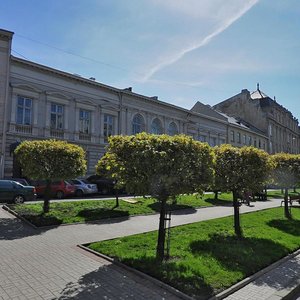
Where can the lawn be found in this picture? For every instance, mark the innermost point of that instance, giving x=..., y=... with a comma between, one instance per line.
x=206, y=257
x=93, y=210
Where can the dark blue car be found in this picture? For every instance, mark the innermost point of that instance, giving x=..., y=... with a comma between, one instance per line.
x=14, y=192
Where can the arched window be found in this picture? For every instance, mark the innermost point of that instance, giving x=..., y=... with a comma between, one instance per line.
x=138, y=124
x=172, y=129
x=156, y=127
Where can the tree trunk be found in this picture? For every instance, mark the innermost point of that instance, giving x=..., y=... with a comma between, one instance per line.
x=47, y=197
x=287, y=211
x=117, y=198
x=216, y=195
x=236, y=208
x=160, y=249
x=266, y=192
x=295, y=191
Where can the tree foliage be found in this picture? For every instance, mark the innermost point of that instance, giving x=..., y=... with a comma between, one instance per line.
x=238, y=170
x=286, y=173
x=160, y=166
x=51, y=160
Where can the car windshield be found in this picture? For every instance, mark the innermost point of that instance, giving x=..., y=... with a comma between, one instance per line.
x=85, y=181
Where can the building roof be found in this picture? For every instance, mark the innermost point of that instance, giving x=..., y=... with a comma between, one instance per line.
x=207, y=110
x=258, y=94
x=238, y=122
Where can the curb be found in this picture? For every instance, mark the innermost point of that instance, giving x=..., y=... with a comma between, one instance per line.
x=139, y=273
x=251, y=278
x=20, y=217
x=288, y=294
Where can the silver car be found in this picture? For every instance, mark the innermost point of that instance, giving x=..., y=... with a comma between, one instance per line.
x=83, y=187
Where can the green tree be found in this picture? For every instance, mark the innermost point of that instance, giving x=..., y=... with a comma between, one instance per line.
x=160, y=166
x=50, y=160
x=238, y=170
x=286, y=173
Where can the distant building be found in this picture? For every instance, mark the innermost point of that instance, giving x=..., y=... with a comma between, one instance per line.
x=38, y=102
x=272, y=119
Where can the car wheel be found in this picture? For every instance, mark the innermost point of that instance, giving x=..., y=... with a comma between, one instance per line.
x=79, y=193
x=19, y=199
x=59, y=194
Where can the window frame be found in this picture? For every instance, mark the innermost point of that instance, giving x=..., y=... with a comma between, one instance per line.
x=57, y=114
x=108, y=127
x=85, y=121
x=23, y=108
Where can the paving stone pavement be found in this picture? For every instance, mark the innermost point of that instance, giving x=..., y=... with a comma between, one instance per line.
x=274, y=284
x=47, y=264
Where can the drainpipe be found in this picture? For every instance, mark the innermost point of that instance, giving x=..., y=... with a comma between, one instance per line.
x=2, y=158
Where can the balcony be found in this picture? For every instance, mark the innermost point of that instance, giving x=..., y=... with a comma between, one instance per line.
x=84, y=137
x=25, y=129
x=57, y=133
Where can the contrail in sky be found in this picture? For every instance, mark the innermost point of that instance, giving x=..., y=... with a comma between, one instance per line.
x=177, y=56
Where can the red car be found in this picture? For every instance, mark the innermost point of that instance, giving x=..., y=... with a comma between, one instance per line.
x=59, y=189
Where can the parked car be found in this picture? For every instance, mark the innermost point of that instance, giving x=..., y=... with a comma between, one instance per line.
x=59, y=189
x=23, y=181
x=83, y=187
x=105, y=186
x=13, y=191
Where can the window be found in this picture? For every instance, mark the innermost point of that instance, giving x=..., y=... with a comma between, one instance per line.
x=270, y=129
x=232, y=136
x=254, y=143
x=138, y=124
x=259, y=143
x=57, y=116
x=156, y=127
x=24, y=111
x=172, y=129
x=213, y=141
x=244, y=139
x=108, y=126
x=202, y=138
x=84, y=121
x=239, y=137
x=249, y=140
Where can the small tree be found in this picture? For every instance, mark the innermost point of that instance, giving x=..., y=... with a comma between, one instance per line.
x=50, y=160
x=102, y=171
x=238, y=170
x=286, y=173
x=161, y=166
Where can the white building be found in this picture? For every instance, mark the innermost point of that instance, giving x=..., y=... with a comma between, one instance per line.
x=38, y=102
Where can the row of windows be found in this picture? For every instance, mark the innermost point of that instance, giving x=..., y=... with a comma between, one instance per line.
x=24, y=117
x=245, y=140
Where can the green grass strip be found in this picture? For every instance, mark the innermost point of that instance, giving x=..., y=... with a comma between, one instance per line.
x=93, y=210
x=206, y=257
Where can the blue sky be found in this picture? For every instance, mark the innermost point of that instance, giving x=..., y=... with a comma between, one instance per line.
x=179, y=50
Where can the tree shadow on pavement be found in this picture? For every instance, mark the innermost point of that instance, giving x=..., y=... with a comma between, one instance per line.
x=14, y=228
x=113, y=282
x=177, y=209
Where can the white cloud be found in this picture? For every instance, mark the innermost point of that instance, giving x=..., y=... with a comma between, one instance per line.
x=226, y=15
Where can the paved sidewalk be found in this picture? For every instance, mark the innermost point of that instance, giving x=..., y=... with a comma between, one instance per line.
x=46, y=264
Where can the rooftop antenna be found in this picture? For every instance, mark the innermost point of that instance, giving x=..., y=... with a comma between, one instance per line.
x=257, y=86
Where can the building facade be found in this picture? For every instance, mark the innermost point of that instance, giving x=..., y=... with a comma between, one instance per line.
x=38, y=102
x=272, y=119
